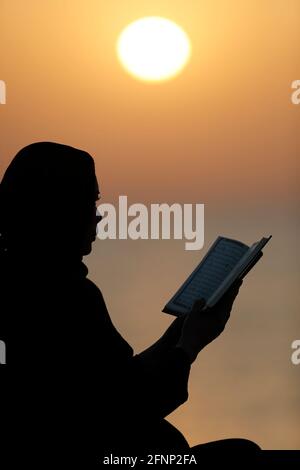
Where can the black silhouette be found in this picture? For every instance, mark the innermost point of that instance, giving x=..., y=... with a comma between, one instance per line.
x=79, y=392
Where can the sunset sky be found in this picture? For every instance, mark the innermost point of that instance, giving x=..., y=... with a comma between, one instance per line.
x=224, y=132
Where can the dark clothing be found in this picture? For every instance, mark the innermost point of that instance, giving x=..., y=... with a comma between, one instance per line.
x=78, y=388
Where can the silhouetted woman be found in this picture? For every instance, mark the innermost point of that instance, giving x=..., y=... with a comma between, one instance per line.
x=79, y=393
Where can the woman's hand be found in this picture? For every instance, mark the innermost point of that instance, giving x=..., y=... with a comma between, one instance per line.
x=166, y=342
x=201, y=327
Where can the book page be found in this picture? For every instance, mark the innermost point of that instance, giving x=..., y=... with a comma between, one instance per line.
x=211, y=272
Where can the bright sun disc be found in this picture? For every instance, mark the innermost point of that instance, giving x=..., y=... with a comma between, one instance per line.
x=153, y=48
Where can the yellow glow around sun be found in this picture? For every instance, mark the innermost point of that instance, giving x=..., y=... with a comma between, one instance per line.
x=153, y=48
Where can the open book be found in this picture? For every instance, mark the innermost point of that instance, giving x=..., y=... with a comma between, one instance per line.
x=226, y=261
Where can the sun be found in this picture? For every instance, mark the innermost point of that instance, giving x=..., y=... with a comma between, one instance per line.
x=153, y=49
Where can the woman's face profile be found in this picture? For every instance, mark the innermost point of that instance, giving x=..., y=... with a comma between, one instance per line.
x=93, y=219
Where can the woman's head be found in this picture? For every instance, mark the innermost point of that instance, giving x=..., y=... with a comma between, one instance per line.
x=47, y=201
